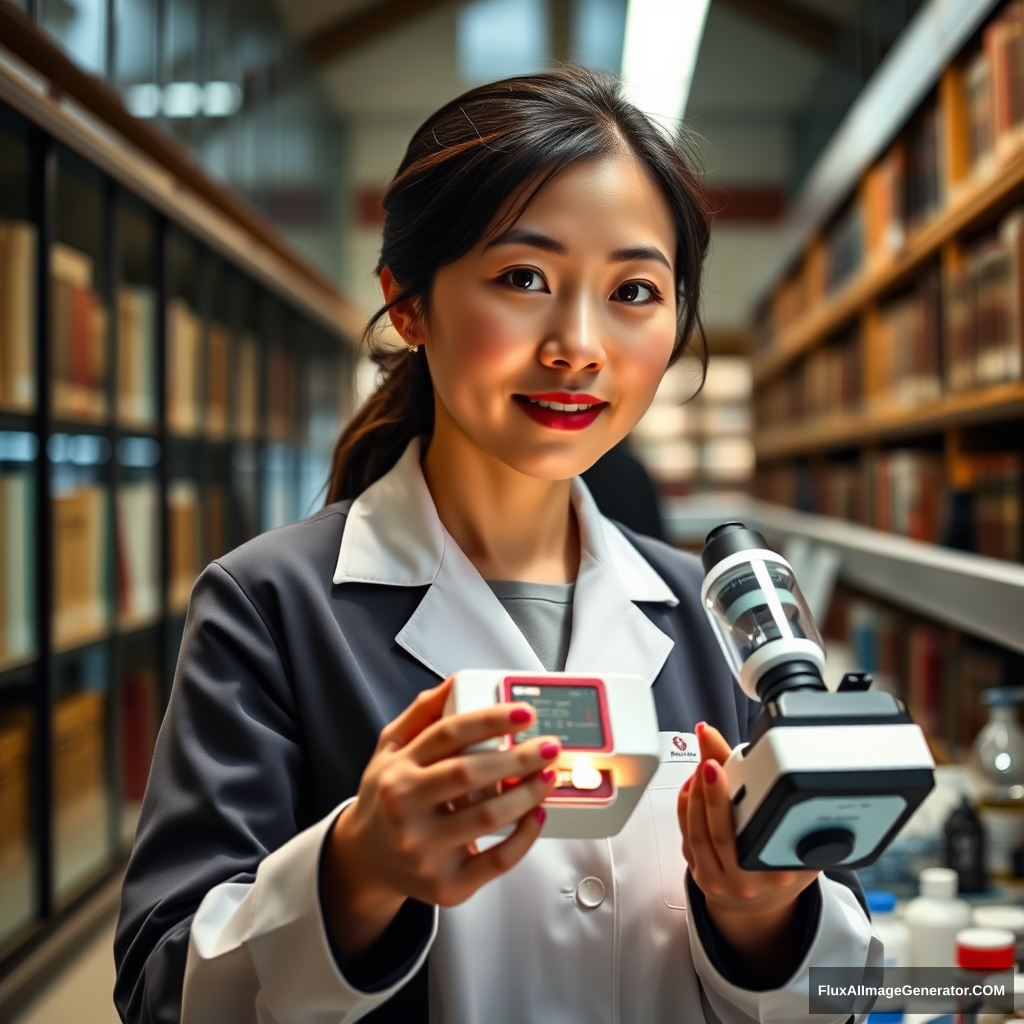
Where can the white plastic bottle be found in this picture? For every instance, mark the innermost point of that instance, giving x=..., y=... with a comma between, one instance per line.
x=934, y=918
x=895, y=938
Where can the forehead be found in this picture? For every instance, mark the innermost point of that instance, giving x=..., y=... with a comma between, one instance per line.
x=611, y=201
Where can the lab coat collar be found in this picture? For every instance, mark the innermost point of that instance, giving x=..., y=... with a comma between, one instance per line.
x=394, y=537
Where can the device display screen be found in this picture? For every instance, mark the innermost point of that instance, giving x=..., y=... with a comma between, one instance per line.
x=572, y=713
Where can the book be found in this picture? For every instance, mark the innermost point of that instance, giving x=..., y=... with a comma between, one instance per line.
x=884, y=194
x=79, y=565
x=138, y=731
x=136, y=355
x=183, y=542
x=214, y=539
x=138, y=551
x=183, y=336
x=17, y=550
x=78, y=337
x=15, y=748
x=925, y=169
x=908, y=345
x=18, y=255
x=247, y=389
x=978, y=107
x=844, y=247
x=996, y=490
x=80, y=806
x=280, y=395
x=1003, y=39
x=217, y=380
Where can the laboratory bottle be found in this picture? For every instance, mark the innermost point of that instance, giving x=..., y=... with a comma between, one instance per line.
x=934, y=918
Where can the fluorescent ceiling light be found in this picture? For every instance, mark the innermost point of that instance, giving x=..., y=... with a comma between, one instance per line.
x=659, y=53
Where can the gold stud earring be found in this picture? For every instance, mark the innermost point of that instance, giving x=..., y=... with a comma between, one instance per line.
x=413, y=349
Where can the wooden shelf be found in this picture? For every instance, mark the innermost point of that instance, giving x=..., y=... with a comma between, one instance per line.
x=977, y=203
x=980, y=406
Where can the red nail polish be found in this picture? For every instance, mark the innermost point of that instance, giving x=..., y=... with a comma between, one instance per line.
x=700, y=727
x=710, y=773
x=549, y=749
x=540, y=815
x=548, y=774
x=517, y=716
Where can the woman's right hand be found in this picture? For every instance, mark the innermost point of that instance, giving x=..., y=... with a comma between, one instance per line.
x=412, y=829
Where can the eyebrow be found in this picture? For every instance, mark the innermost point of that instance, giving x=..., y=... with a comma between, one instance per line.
x=522, y=236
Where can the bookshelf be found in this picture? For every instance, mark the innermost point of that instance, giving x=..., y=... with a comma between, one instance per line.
x=889, y=369
x=171, y=383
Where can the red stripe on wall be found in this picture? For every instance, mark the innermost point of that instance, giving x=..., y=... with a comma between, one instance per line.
x=748, y=204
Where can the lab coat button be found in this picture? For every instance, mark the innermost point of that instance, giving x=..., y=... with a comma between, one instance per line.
x=590, y=892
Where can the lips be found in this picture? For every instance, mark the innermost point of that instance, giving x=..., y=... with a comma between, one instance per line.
x=562, y=410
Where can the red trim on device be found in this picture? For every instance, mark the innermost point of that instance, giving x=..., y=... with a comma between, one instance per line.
x=580, y=681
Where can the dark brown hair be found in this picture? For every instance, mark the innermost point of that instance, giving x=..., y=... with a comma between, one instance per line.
x=462, y=164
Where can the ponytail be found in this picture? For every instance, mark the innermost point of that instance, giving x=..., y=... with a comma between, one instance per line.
x=400, y=409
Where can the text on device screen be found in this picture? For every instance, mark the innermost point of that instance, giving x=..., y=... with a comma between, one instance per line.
x=572, y=713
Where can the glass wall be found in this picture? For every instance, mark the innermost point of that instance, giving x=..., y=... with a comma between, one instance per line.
x=225, y=79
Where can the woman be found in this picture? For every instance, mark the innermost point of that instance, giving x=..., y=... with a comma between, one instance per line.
x=305, y=852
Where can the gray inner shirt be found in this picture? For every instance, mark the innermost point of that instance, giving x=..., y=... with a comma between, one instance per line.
x=543, y=613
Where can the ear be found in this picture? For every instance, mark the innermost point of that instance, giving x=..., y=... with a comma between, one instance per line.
x=405, y=315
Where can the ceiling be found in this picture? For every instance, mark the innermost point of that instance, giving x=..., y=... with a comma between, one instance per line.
x=762, y=65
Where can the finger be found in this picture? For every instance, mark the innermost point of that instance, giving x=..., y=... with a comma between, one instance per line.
x=425, y=709
x=498, y=859
x=454, y=777
x=706, y=866
x=712, y=744
x=718, y=812
x=489, y=816
x=453, y=733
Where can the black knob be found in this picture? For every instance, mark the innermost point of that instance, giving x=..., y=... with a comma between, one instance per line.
x=826, y=847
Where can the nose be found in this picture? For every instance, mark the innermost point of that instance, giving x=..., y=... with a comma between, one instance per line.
x=573, y=340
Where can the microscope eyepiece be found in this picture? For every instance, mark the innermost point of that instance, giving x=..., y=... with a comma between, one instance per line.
x=759, y=614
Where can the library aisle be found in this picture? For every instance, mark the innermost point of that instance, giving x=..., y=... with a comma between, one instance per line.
x=191, y=213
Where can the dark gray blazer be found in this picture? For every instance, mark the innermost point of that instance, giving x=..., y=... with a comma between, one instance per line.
x=283, y=683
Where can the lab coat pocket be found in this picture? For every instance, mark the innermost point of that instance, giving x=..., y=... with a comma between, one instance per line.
x=663, y=794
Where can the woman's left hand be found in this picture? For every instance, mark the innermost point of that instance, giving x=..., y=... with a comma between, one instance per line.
x=753, y=910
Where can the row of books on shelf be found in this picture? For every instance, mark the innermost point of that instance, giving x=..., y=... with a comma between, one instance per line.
x=906, y=492
x=82, y=591
x=201, y=367
x=79, y=776
x=911, y=181
x=937, y=671
x=949, y=332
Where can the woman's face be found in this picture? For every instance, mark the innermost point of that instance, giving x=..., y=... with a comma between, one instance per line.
x=574, y=306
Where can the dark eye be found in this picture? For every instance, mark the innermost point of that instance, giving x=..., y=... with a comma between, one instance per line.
x=634, y=293
x=526, y=280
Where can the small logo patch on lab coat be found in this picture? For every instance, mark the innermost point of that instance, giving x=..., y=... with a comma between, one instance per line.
x=681, y=747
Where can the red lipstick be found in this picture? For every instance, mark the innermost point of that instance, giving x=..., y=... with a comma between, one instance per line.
x=561, y=410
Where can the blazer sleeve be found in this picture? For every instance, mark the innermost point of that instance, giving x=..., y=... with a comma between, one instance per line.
x=220, y=912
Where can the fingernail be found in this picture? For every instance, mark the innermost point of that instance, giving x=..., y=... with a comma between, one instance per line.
x=548, y=774
x=519, y=715
x=686, y=784
x=549, y=749
x=540, y=815
x=700, y=727
x=710, y=772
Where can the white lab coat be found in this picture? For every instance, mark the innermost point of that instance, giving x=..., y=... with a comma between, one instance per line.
x=535, y=944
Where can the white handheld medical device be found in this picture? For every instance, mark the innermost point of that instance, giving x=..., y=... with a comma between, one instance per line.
x=827, y=779
x=608, y=730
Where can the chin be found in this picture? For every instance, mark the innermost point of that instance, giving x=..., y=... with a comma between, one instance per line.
x=557, y=461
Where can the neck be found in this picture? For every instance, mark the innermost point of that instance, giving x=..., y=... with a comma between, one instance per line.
x=509, y=525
